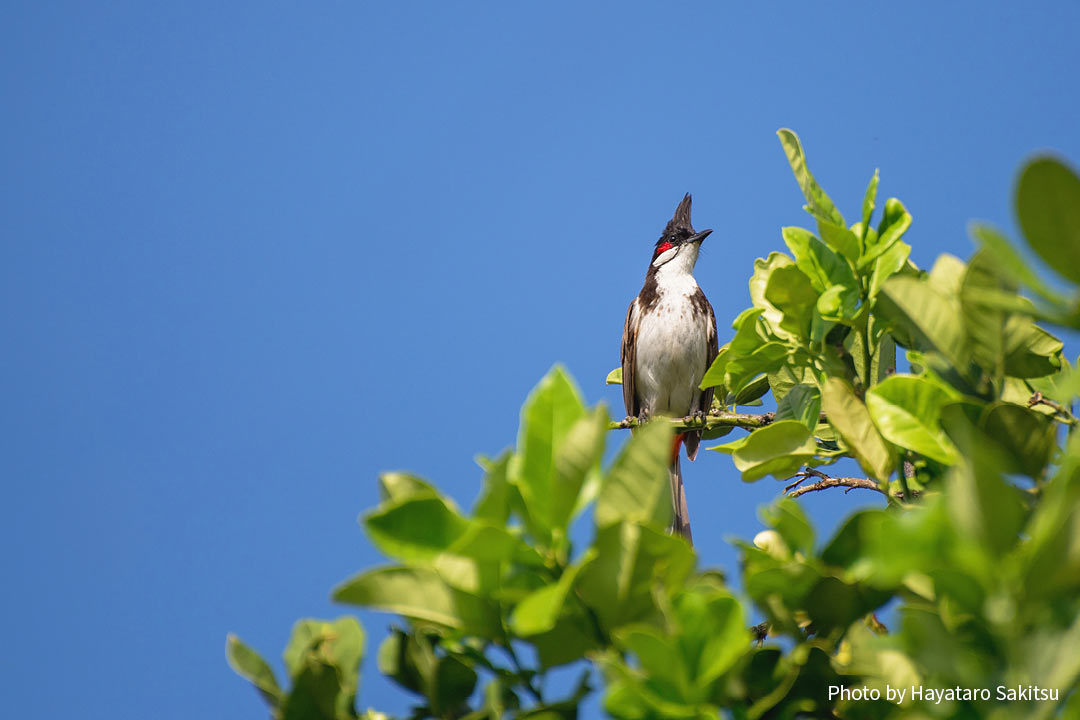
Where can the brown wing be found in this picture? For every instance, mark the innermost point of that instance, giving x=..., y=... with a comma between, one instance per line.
x=629, y=357
x=711, y=348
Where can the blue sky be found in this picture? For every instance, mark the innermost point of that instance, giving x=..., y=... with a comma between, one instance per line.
x=254, y=253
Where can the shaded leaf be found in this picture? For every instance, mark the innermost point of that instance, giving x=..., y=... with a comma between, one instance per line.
x=1048, y=207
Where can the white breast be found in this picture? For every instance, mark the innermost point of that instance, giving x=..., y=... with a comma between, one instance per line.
x=671, y=347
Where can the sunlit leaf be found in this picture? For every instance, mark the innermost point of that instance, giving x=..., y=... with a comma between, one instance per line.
x=850, y=418
x=778, y=449
x=818, y=203
x=907, y=410
x=637, y=487
x=249, y=664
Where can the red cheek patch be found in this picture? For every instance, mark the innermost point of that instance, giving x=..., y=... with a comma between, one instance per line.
x=664, y=247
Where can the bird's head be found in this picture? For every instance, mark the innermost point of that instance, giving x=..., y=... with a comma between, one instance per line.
x=679, y=238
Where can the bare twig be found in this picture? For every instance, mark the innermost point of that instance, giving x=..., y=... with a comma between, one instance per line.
x=826, y=481
x=1063, y=413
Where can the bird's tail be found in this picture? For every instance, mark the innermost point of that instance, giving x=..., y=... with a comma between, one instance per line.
x=680, y=523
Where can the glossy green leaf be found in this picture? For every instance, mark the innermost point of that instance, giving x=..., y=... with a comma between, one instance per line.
x=888, y=264
x=614, y=377
x=801, y=403
x=551, y=410
x=821, y=265
x=818, y=203
x=763, y=270
x=249, y=664
x=753, y=390
x=420, y=593
x=840, y=239
x=851, y=420
x=790, y=291
x=577, y=465
x=923, y=317
x=415, y=529
x=742, y=370
x=894, y=223
x=778, y=449
x=869, y=198
x=1048, y=207
x=907, y=410
x=637, y=486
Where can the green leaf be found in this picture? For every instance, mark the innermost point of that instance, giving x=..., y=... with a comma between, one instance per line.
x=552, y=409
x=742, y=370
x=790, y=291
x=894, y=223
x=840, y=239
x=985, y=325
x=821, y=265
x=754, y=390
x=498, y=494
x=869, y=199
x=1030, y=351
x=539, y=611
x=787, y=517
x=415, y=530
x=851, y=420
x=323, y=658
x=906, y=410
x=801, y=403
x=778, y=449
x=638, y=486
x=633, y=564
x=1048, y=206
x=1011, y=262
x=394, y=486
x=339, y=642
x=818, y=203
x=719, y=629
x=452, y=684
x=1025, y=438
x=248, y=664
x=614, y=377
x=421, y=594
x=763, y=270
x=888, y=264
x=923, y=317
x=577, y=461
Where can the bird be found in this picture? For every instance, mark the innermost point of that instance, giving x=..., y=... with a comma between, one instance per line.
x=668, y=342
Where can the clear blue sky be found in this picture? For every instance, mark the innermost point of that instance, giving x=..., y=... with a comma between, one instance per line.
x=254, y=253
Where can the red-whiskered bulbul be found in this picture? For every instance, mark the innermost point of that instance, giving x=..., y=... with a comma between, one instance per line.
x=668, y=342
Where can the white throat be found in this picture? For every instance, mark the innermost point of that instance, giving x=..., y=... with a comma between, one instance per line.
x=676, y=265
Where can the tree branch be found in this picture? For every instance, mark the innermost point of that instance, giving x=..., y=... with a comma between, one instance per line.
x=1063, y=413
x=715, y=419
x=826, y=481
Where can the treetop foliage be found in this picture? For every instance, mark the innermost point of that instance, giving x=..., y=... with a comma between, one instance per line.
x=978, y=550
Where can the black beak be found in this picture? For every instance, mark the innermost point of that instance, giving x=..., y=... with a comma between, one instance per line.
x=699, y=237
